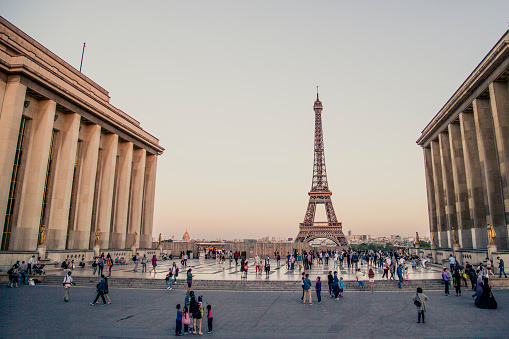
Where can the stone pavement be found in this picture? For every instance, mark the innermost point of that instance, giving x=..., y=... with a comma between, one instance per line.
x=39, y=312
x=211, y=269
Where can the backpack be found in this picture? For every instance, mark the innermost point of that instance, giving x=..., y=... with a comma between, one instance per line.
x=134, y=258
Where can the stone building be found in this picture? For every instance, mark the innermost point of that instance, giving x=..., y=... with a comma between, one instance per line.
x=71, y=164
x=466, y=157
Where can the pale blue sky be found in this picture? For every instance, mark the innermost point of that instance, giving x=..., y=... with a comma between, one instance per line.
x=228, y=88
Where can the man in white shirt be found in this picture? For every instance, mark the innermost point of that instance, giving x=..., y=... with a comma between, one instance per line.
x=31, y=263
x=452, y=262
x=68, y=281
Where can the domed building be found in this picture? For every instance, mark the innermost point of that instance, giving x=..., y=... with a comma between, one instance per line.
x=186, y=237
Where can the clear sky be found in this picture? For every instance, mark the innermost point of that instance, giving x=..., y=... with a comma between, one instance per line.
x=228, y=88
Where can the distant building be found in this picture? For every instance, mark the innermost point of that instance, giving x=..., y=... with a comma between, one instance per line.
x=186, y=237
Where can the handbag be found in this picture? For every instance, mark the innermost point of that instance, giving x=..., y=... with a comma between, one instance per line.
x=417, y=303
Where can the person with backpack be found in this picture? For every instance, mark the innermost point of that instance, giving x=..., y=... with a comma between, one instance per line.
x=420, y=302
x=109, y=263
x=100, y=291
x=68, y=281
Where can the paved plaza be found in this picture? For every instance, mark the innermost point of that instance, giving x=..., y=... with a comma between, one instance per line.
x=39, y=312
x=211, y=269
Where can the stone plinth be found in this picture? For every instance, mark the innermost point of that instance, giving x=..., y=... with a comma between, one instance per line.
x=41, y=251
x=97, y=250
x=434, y=253
x=492, y=249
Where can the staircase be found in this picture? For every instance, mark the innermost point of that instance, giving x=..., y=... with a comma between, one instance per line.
x=238, y=285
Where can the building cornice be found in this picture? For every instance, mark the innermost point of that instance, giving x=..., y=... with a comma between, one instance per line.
x=493, y=65
x=39, y=67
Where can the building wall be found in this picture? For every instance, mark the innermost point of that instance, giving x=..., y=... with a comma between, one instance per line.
x=70, y=163
x=466, y=152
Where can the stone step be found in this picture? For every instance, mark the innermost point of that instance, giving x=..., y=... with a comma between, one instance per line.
x=234, y=285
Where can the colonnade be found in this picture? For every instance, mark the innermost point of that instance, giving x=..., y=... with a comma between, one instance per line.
x=467, y=172
x=64, y=178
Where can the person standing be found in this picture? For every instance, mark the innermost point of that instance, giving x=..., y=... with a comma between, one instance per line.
x=318, y=288
x=110, y=265
x=501, y=267
x=330, y=282
x=360, y=279
x=446, y=278
x=144, y=261
x=210, y=319
x=420, y=302
x=400, y=275
x=101, y=266
x=31, y=263
x=154, y=264
x=23, y=268
x=457, y=281
x=307, y=289
x=100, y=291
x=95, y=264
x=371, y=277
x=68, y=281
x=136, y=262
x=452, y=262
x=386, y=271
x=189, y=280
x=168, y=279
x=267, y=266
x=178, y=322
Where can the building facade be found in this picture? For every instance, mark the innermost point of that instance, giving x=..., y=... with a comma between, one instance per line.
x=466, y=158
x=75, y=172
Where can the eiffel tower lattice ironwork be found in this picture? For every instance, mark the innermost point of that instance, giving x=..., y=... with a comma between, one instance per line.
x=320, y=194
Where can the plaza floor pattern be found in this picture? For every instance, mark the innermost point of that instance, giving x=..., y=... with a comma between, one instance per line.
x=211, y=269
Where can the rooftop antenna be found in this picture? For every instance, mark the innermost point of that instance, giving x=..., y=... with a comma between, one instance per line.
x=82, y=53
x=317, y=93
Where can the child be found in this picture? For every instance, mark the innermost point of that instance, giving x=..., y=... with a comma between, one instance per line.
x=186, y=320
x=209, y=318
x=341, y=287
x=178, y=328
x=318, y=288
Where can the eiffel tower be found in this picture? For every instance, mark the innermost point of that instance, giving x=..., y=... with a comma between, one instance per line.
x=320, y=194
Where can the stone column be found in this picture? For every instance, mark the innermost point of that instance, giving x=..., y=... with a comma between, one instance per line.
x=450, y=195
x=499, y=96
x=474, y=181
x=25, y=231
x=118, y=234
x=109, y=146
x=464, y=232
x=79, y=237
x=135, y=211
x=439, y=194
x=489, y=165
x=65, y=157
x=430, y=190
x=148, y=201
x=10, y=119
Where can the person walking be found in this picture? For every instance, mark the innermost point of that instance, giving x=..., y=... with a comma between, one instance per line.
x=100, y=291
x=154, y=264
x=68, y=281
x=386, y=271
x=307, y=289
x=144, y=261
x=371, y=276
x=107, y=290
x=136, y=259
x=318, y=288
x=488, y=268
x=446, y=278
x=501, y=267
x=420, y=302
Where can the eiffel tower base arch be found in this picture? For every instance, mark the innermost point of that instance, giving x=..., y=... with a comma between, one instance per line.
x=333, y=233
